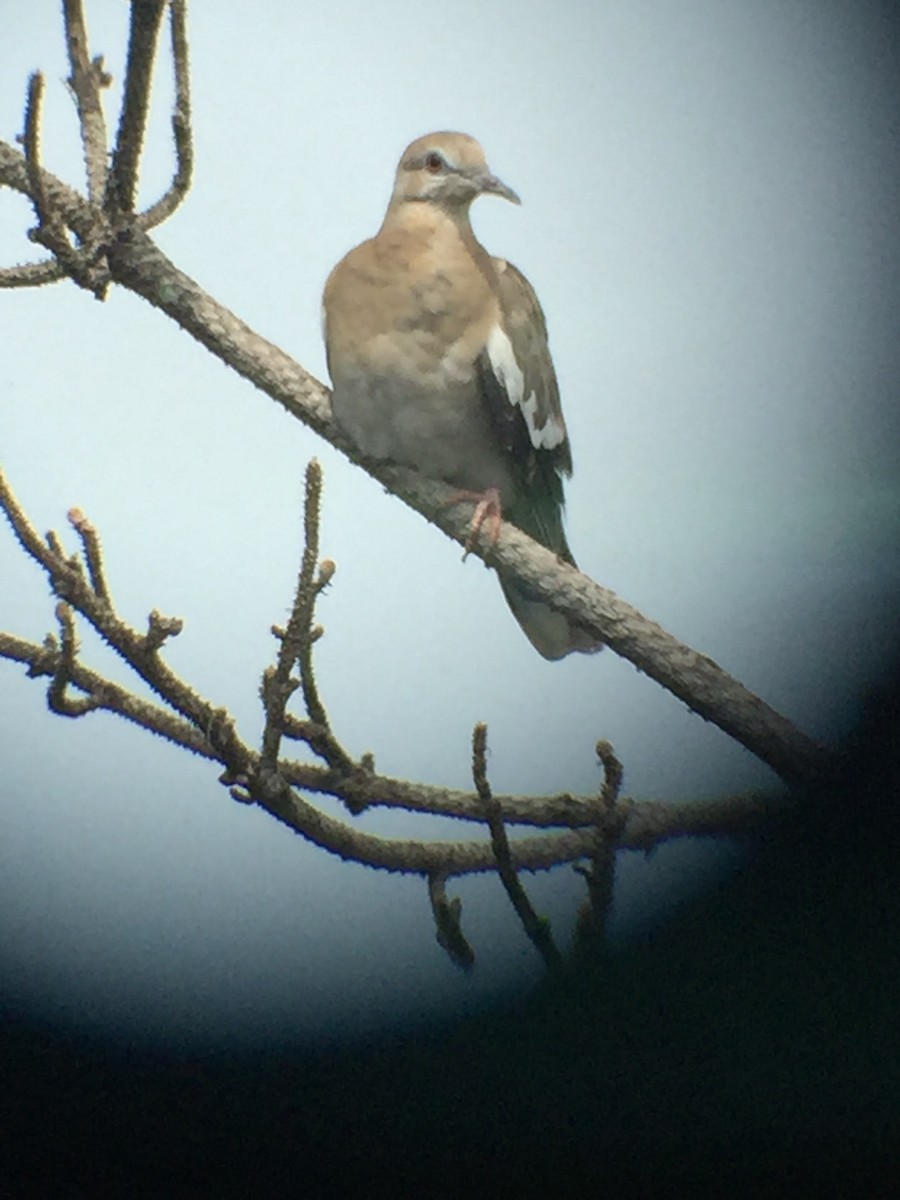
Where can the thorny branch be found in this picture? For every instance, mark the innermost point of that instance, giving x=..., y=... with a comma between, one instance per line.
x=146, y=17
x=85, y=82
x=98, y=238
x=181, y=123
x=600, y=876
x=537, y=928
x=198, y=724
x=111, y=190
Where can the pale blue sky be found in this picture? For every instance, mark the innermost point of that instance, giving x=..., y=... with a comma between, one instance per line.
x=709, y=219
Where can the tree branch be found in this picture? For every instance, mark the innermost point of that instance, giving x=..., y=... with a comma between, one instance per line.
x=537, y=928
x=85, y=82
x=143, y=34
x=204, y=728
x=136, y=263
x=111, y=244
x=181, y=124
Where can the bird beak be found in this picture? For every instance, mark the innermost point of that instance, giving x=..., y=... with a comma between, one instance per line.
x=491, y=185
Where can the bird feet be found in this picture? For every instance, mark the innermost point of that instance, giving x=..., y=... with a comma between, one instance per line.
x=487, y=509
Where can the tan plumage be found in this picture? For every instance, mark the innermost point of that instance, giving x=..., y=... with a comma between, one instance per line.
x=439, y=359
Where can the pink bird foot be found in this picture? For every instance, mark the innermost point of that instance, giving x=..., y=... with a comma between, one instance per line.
x=487, y=509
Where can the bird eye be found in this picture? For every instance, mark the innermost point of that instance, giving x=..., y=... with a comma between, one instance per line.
x=434, y=162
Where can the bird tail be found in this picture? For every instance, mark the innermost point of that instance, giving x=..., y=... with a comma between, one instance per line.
x=552, y=634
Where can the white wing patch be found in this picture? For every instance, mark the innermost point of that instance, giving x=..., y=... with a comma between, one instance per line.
x=509, y=375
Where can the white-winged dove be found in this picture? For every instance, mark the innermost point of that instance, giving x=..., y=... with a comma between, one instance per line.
x=439, y=360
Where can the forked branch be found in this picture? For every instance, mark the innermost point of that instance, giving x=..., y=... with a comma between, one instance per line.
x=100, y=237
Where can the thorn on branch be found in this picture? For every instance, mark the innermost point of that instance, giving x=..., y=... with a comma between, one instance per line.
x=448, y=924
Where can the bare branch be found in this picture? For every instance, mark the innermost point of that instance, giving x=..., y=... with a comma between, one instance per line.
x=159, y=629
x=71, y=207
x=612, y=775
x=58, y=700
x=146, y=16
x=447, y=919
x=296, y=646
x=34, y=274
x=107, y=695
x=692, y=677
x=111, y=244
x=537, y=928
x=87, y=266
x=85, y=81
x=70, y=583
x=47, y=231
x=647, y=822
x=181, y=124
x=590, y=929
x=266, y=785
x=93, y=554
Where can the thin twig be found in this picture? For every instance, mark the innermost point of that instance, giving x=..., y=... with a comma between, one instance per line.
x=86, y=80
x=45, y=660
x=88, y=266
x=537, y=928
x=143, y=35
x=58, y=699
x=181, y=124
x=159, y=629
x=448, y=924
x=93, y=553
x=296, y=646
x=649, y=823
x=31, y=141
x=70, y=582
x=34, y=274
x=600, y=877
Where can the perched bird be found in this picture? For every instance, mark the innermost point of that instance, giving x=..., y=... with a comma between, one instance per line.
x=439, y=361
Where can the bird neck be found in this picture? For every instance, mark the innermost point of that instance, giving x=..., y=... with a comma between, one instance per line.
x=424, y=217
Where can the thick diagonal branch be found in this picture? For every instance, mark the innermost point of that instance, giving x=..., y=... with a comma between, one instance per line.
x=137, y=263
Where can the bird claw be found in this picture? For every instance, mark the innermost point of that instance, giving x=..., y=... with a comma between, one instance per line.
x=487, y=509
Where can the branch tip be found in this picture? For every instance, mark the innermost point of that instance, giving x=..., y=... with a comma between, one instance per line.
x=613, y=773
x=159, y=629
x=448, y=924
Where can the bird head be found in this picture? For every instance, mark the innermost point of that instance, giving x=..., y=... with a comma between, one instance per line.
x=448, y=169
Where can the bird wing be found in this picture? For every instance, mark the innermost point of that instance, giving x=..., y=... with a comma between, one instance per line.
x=519, y=386
x=523, y=323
